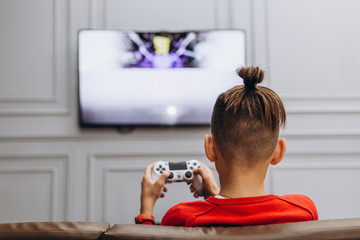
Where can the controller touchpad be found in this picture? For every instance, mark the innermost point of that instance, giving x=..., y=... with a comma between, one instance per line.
x=177, y=166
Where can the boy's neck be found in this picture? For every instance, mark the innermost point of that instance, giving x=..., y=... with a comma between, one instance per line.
x=238, y=183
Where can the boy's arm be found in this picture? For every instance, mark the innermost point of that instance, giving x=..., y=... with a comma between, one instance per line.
x=150, y=192
x=210, y=186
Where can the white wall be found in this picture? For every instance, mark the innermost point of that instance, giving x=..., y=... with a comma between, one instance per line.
x=51, y=170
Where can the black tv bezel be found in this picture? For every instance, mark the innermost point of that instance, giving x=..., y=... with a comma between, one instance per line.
x=129, y=127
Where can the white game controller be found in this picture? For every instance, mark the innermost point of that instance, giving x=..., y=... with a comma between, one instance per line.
x=179, y=172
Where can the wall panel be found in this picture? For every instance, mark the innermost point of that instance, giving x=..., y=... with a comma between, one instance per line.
x=33, y=188
x=33, y=43
x=314, y=54
x=35, y=81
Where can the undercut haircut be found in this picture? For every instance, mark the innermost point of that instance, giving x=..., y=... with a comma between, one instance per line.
x=246, y=120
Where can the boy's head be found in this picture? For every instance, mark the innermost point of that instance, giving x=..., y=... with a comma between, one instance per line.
x=246, y=120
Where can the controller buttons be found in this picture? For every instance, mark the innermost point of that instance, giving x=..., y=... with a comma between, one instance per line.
x=188, y=174
x=171, y=176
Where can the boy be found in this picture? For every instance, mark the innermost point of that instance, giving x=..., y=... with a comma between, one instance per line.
x=245, y=128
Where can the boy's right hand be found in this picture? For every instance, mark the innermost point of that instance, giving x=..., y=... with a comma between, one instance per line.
x=151, y=191
x=210, y=186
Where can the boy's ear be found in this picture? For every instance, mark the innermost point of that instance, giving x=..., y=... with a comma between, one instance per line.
x=279, y=152
x=210, y=148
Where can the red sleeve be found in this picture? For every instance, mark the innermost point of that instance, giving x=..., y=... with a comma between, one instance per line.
x=175, y=216
x=303, y=202
x=179, y=214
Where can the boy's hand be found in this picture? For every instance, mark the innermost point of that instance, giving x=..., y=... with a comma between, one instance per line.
x=210, y=186
x=151, y=191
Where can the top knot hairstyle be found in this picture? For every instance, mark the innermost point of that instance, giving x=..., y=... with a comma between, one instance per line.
x=247, y=118
x=251, y=76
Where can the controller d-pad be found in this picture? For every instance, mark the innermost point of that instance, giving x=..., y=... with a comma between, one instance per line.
x=160, y=169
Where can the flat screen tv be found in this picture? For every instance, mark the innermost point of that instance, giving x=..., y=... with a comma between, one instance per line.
x=129, y=78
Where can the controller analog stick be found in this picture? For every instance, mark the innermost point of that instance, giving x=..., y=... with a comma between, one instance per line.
x=188, y=174
x=171, y=176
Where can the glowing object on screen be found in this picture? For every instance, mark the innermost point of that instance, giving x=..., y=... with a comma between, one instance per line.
x=171, y=110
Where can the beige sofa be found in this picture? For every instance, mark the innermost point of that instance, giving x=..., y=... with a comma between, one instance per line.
x=324, y=229
x=52, y=230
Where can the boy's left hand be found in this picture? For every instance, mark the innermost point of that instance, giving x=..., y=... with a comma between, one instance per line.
x=151, y=191
x=210, y=186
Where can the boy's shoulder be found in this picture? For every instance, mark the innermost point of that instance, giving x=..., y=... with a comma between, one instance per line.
x=301, y=201
x=179, y=214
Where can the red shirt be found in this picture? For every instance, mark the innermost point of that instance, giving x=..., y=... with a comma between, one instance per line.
x=260, y=210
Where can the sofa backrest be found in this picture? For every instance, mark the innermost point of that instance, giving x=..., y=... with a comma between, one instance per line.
x=341, y=229
x=319, y=230
x=52, y=230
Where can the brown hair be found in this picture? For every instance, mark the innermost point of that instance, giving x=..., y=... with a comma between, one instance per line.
x=247, y=118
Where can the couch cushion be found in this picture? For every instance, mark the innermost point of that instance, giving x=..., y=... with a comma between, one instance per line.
x=52, y=230
x=324, y=229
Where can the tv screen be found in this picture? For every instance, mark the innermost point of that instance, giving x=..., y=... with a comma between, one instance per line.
x=129, y=78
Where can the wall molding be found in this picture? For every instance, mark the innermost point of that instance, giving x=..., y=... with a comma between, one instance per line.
x=323, y=110
x=35, y=112
x=56, y=104
x=54, y=183
x=36, y=99
x=322, y=103
x=97, y=14
x=222, y=14
x=29, y=165
x=322, y=153
x=260, y=36
x=314, y=133
x=312, y=97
